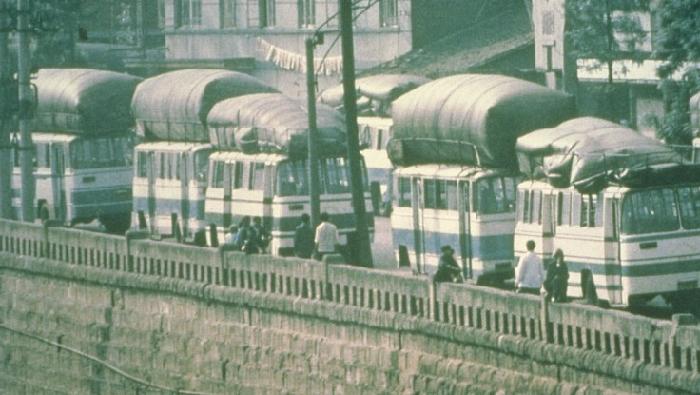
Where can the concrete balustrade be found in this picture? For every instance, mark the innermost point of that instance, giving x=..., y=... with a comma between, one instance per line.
x=673, y=344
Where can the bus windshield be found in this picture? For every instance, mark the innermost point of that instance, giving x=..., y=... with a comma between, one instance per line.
x=495, y=195
x=649, y=211
x=101, y=152
x=334, y=173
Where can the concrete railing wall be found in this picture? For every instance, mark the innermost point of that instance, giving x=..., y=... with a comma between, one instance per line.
x=607, y=332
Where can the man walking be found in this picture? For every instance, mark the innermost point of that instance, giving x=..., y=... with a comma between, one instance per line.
x=327, y=238
x=529, y=273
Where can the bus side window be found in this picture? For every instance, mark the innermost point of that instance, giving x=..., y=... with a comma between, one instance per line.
x=178, y=164
x=467, y=202
x=430, y=193
x=404, y=189
x=256, y=176
x=42, y=156
x=237, y=175
x=141, y=163
x=560, y=209
x=161, y=165
x=452, y=195
x=537, y=207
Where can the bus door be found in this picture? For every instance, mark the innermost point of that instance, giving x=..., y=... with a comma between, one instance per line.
x=184, y=164
x=227, y=195
x=151, y=195
x=611, y=224
x=58, y=188
x=465, y=239
x=268, y=191
x=418, y=230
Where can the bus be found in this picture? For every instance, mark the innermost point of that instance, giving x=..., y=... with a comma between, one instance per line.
x=169, y=181
x=375, y=132
x=80, y=178
x=468, y=207
x=275, y=188
x=634, y=243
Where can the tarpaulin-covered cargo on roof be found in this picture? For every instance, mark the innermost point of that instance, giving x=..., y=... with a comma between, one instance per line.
x=83, y=101
x=695, y=114
x=174, y=106
x=274, y=122
x=453, y=119
x=380, y=89
x=588, y=153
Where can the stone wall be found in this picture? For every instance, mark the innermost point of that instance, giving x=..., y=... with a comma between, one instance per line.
x=107, y=315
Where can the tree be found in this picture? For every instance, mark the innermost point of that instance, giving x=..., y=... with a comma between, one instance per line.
x=605, y=30
x=55, y=25
x=677, y=43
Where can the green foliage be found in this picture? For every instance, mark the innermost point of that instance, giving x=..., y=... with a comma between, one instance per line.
x=597, y=31
x=678, y=37
x=678, y=42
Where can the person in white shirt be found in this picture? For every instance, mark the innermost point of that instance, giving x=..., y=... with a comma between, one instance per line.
x=529, y=274
x=326, y=238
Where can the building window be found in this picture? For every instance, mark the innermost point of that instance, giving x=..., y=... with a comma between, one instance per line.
x=227, y=12
x=388, y=13
x=267, y=13
x=307, y=13
x=188, y=13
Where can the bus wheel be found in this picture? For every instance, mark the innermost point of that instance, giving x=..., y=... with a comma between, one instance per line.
x=117, y=224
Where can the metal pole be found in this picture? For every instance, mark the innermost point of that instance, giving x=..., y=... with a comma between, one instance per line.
x=314, y=182
x=5, y=113
x=26, y=146
x=350, y=104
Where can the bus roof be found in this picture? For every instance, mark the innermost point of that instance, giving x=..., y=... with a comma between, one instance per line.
x=450, y=171
x=53, y=137
x=171, y=146
x=237, y=155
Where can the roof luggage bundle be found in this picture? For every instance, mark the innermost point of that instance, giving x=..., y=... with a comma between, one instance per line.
x=174, y=106
x=274, y=122
x=381, y=88
x=83, y=101
x=472, y=119
x=589, y=153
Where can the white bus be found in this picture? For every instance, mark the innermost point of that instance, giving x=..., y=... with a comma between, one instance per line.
x=80, y=178
x=634, y=242
x=275, y=188
x=375, y=132
x=471, y=209
x=169, y=181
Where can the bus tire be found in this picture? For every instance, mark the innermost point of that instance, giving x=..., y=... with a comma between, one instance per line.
x=116, y=223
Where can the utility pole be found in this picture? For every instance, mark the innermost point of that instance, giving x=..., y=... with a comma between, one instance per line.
x=350, y=104
x=314, y=182
x=5, y=112
x=26, y=147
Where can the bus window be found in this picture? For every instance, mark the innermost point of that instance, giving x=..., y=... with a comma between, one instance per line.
x=237, y=175
x=689, y=198
x=43, y=158
x=99, y=153
x=161, y=166
x=649, y=212
x=452, y=195
x=404, y=195
x=178, y=164
x=429, y=193
x=291, y=177
x=467, y=204
x=201, y=164
x=335, y=173
x=255, y=176
x=217, y=175
x=588, y=211
x=141, y=164
x=494, y=195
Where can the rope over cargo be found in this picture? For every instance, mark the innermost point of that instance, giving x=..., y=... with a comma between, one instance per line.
x=83, y=101
x=174, y=106
x=481, y=111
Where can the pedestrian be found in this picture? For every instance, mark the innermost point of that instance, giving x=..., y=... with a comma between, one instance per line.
x=529, y=273
x=557, y=277
x=247, y=238
x=326, y=239
x=304, y=238
x=448, y=270
x=262, y=234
